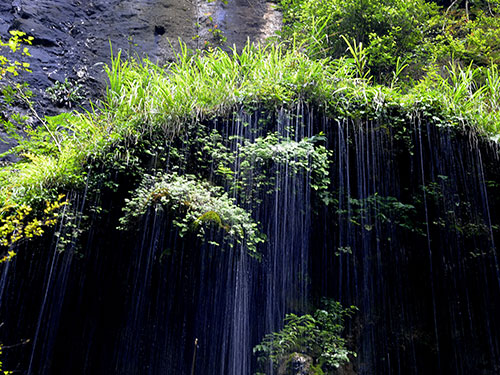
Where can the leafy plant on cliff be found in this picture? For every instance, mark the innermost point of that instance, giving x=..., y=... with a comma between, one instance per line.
x=20, y=223
x=415, y=34
x=195, y=204
x=11, y=51
x=257, y=166
x=65, y=93
x=9, y=64
x=468, y=36
x=19, y=220
x=388, y=29
x=379, y=209
x=318, y=335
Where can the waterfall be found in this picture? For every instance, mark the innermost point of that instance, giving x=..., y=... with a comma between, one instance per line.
x=414, y=214
x=408, y=236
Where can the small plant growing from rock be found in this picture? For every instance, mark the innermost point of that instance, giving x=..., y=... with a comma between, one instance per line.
x=66, y=94
x=218, y=35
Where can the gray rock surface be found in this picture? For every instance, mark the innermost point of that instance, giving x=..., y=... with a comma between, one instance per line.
x=72, y=37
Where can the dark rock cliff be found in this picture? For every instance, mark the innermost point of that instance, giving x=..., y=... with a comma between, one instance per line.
x=72, y=37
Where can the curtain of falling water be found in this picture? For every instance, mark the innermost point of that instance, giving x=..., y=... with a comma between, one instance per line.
x=233, y=299
x=44, y=278
x=426, y=296
x=136, y=304
x=425, y=279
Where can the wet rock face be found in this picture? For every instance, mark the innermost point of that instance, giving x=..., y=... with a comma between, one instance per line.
x=296, y=364
x=72, y=37
x=237, y=20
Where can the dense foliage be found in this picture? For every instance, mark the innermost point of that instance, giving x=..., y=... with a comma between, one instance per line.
x=145, y=101
x=395, y=32
x=389, y=29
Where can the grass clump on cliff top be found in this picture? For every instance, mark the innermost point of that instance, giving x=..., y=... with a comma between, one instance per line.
x=144, y=97
x=201, y=85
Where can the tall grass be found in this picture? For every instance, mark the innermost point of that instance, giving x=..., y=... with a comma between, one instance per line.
x=465, y=96
x=198, y=86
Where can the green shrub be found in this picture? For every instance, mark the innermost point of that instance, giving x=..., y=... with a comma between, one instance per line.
x=468, y=38
x=318, y=336
x=195, y=204
x=387, y=28
x=395, y=32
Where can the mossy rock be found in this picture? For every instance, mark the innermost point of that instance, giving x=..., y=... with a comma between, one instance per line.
x=297, y=364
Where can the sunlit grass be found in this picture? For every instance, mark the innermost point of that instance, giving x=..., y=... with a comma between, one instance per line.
x=468, y=96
